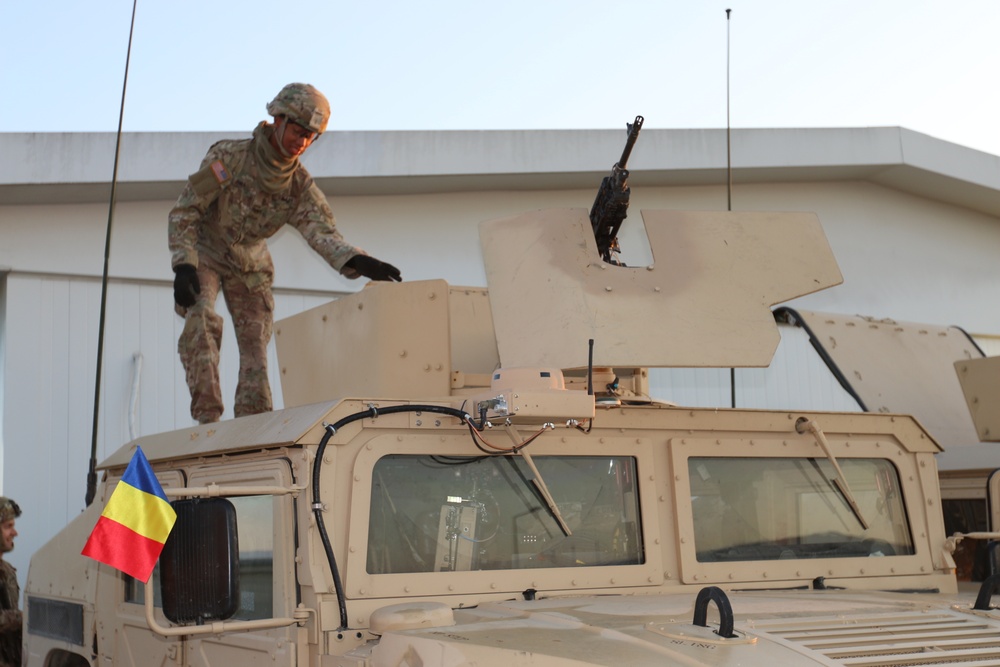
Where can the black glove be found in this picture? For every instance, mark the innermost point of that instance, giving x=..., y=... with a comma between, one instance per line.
x=372, y=268
x=186, y=285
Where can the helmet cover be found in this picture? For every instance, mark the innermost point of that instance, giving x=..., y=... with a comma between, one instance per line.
x=302, y=104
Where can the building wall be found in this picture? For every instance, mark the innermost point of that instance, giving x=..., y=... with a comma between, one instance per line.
x=902, y=256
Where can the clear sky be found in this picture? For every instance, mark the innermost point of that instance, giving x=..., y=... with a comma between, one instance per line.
x=930, y=66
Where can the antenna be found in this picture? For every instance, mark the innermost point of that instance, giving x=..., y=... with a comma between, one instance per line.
x=92, y=468
x=729, y=152
x=729, y=187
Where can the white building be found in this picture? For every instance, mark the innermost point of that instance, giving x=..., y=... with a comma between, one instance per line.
x=913, y=221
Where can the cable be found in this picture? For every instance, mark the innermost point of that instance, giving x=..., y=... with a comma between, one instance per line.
x=317, y=504
x=506, y=450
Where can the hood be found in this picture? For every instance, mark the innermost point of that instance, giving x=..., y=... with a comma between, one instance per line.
x=789, y=628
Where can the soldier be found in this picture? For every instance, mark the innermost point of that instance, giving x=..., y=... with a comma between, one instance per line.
x=10, y=593
x=244, y=192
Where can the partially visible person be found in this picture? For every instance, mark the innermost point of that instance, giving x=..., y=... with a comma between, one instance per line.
x=243, y=194
x=10, y=592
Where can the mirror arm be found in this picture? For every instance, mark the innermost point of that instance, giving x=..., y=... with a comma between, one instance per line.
x=217, y=627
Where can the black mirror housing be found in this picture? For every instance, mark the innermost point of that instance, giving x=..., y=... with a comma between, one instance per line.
x=199, y=565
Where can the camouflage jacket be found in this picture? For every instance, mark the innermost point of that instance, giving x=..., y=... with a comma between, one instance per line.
x=10, y=616
x=224, y=214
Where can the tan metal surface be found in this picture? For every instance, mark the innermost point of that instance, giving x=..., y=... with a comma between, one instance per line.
x=400, y=340
x=703, y=303
x=902, y=367
x=268, y=429
x=980, y=382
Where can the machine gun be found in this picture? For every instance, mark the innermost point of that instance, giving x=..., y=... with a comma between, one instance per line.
x=611, y=204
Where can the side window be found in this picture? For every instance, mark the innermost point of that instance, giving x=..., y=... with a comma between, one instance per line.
x=255, y=518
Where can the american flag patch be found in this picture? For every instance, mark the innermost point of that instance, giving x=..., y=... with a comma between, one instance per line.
x=220, y=171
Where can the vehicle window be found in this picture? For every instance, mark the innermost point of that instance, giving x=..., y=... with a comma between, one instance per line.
x=255, y=518
x=255, y=523
x=776, y=508
x=434, y=514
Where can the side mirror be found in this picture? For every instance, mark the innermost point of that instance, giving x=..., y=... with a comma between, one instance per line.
x=199, y=565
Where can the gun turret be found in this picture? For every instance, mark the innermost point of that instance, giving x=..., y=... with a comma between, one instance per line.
x=611, y=204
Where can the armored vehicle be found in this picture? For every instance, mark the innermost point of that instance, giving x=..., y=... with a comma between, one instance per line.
x=479, y=477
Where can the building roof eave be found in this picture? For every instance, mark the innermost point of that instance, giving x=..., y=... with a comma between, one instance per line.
x=76, y=167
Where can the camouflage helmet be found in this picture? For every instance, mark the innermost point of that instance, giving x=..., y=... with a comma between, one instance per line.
x=302, y=104
x=8, y=509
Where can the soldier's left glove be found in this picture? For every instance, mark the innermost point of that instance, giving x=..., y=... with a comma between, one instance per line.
x=186, y=285
x=374, y=269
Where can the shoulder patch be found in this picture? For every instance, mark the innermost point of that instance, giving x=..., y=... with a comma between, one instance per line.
x=213, y=176
x=220, y=172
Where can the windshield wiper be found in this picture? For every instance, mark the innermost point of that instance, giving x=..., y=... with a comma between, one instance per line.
x=536, y=479
x=839, y=482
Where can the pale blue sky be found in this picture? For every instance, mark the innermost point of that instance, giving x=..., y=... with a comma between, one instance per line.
x=930, y=66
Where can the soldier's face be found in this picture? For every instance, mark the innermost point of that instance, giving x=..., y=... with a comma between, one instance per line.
x=7, y=535
x=294, y=138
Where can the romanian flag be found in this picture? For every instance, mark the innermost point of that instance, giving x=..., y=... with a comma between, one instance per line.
x=135, y=523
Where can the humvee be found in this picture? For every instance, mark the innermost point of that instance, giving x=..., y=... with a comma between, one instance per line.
x=470, y=476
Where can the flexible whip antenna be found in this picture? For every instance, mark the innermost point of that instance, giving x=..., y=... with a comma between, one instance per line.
x=92, y=467
x=729, y=187
x=729, y=151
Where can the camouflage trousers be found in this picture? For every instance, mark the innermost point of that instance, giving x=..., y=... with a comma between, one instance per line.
x=252, y=311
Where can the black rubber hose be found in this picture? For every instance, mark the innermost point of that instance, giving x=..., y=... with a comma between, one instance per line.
x=317, y=505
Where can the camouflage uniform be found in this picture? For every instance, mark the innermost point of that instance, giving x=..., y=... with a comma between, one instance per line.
x=220, y=225
x=10, y=617
x=10, y=596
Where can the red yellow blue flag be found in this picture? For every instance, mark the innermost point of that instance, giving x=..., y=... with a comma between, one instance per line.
x=135, y=523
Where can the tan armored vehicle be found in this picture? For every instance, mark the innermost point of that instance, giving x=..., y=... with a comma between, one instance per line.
x=473, y=478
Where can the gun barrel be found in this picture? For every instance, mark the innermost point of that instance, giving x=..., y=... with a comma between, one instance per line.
x=633, y=134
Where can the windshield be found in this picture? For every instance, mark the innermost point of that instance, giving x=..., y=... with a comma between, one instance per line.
x=434, y=513
x=771, y=508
